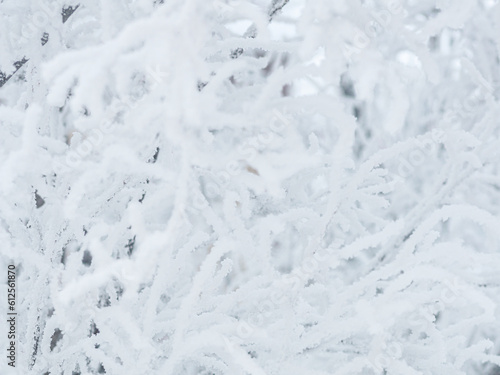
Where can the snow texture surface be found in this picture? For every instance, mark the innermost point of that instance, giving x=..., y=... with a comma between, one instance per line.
x=264, y=187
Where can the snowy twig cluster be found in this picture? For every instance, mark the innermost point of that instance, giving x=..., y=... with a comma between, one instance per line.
x=252, y=186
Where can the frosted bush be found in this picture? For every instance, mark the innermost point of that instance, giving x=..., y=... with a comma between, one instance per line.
x=252, y=187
